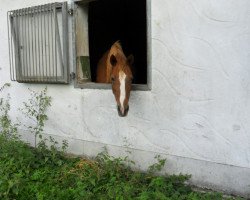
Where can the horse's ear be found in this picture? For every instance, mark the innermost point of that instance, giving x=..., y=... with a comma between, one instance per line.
x=130, y=59
x=113, y=60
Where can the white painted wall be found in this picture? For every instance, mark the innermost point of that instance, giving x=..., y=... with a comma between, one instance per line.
x=198, y=112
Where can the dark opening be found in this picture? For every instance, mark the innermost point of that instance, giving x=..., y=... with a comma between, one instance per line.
x=124, y=20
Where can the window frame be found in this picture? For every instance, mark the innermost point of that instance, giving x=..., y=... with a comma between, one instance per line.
x=17, y=64
x=93, y=85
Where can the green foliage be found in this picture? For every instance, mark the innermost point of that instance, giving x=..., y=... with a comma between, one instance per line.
x=35, y=109
x=28, y=173
x=156, y=167
x=7, y=128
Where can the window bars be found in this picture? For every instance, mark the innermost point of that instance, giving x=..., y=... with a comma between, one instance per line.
x=38, y=44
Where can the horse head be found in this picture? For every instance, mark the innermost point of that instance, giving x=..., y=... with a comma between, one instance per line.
x=121, y=77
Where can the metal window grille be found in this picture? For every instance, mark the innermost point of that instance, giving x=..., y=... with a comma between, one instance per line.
x=38, y=44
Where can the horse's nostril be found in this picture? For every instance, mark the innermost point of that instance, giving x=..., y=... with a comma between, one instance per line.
x=124, y=112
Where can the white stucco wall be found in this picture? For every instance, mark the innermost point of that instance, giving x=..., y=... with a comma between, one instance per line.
x=198, y=111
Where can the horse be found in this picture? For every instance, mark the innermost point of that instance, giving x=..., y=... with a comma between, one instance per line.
x=115, y=68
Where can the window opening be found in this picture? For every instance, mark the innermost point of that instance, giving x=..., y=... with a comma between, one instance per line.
x=99, y=24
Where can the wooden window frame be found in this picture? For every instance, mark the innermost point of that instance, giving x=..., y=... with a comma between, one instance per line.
x=85, y=84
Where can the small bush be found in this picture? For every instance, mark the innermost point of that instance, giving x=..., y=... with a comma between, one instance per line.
x=7, y=127
x=35, y=109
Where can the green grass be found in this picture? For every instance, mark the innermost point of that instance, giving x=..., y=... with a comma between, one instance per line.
x=39, y=173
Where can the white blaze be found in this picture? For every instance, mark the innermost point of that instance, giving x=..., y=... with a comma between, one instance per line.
x=122, y=78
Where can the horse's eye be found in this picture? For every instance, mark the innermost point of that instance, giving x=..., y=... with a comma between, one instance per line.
x=112, y=79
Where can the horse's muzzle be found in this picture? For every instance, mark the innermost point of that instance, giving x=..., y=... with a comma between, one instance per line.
x=122, y=113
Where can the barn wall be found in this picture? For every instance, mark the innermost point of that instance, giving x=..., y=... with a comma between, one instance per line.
x=197, y=114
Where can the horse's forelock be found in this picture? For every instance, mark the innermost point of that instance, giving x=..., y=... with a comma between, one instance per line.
x=117, y=45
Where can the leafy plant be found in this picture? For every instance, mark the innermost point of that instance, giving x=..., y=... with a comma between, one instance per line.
x=156, y=167
x=26, y=174
x=7, y=128
x=35, y=109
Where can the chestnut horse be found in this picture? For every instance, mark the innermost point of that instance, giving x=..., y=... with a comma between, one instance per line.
x=115, y=68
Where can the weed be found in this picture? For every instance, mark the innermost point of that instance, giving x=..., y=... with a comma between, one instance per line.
x=156, y=167
x=25, y=173
x=7, y=128
x=35, y=109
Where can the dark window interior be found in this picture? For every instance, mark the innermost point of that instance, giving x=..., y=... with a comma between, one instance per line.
x=124, y=20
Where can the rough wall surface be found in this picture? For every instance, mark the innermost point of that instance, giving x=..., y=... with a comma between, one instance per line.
x=198, y=111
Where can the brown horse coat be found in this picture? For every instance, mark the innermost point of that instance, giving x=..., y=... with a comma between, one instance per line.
x=104, y=67
x=114, y=67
